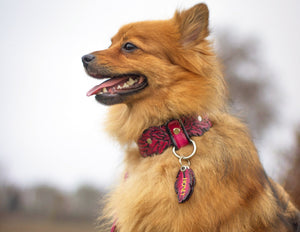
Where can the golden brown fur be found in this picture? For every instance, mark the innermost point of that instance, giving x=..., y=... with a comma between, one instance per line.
x=232, y=192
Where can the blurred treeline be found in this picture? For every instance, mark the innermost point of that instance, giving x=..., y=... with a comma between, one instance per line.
x=252, y=97
x=50, y=202
x=45, y=208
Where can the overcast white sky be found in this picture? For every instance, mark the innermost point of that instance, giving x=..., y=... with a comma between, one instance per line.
x=50, y=132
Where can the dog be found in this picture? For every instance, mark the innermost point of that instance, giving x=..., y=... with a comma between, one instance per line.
x=190, y=166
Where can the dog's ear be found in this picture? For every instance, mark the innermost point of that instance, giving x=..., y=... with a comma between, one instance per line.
x=193, y=24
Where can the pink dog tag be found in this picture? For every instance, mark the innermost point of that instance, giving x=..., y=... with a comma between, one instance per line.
x=185, y=182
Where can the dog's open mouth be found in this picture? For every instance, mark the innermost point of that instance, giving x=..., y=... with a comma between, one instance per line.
x=115, y=89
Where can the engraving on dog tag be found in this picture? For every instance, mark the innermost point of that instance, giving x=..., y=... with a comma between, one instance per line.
x=184, y=185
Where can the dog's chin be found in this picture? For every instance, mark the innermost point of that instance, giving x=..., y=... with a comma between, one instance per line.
x=109, y=99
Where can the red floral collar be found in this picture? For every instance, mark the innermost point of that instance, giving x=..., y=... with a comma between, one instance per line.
x=175, y=133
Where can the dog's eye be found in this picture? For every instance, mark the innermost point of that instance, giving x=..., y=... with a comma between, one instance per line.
x=129, y=47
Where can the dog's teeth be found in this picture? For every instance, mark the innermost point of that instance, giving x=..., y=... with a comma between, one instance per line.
x=104, y=90
x=130, y=82
x=125, y=85
x=119, y=87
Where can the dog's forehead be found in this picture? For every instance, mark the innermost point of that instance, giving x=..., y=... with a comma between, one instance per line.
x=142, y=29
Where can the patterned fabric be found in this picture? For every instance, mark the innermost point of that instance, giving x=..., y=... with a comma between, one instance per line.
x=160, y=140
x=155, y=140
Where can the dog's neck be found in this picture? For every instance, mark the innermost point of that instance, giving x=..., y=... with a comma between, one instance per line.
x=127, y=124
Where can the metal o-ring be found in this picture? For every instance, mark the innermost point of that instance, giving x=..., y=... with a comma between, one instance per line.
x=186, y=157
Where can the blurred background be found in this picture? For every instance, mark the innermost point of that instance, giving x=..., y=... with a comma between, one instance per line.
x=56, y=162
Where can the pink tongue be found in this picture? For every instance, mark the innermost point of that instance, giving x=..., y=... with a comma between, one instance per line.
x=108, y=83
x=94, y=90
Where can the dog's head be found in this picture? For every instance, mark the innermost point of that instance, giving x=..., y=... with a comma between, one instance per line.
x=162, y=64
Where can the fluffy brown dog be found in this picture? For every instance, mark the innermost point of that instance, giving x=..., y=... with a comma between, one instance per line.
x=166, y=71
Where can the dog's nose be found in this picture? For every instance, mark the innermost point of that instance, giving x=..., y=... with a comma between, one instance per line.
x=87, y=59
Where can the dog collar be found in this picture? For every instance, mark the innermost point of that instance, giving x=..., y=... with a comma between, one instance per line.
x=177, y=133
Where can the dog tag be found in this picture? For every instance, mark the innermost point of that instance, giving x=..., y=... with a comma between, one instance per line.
x=185, y=182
